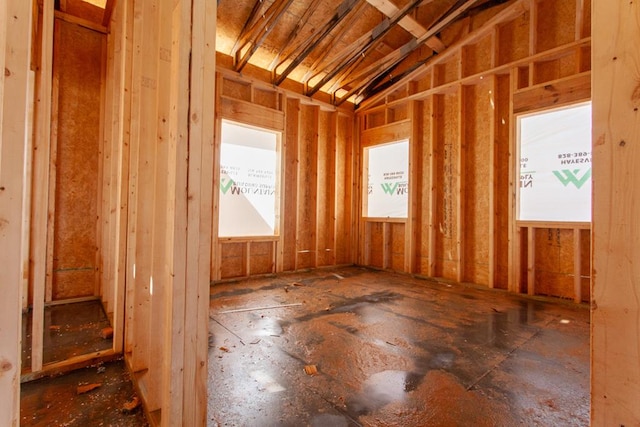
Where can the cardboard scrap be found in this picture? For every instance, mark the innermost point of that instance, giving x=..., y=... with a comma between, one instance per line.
x=87, y=388
x=311, y=370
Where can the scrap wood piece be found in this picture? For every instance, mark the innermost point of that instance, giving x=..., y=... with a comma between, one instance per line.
x=131, y=405
x=107, y=332
x=55, y=328
x=87, y=388
x=225, y=349
x=268, y=307
x=311, y=370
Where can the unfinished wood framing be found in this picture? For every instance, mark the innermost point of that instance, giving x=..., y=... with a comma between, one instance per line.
x=152, y=125
x=615, y=381
x=316, y=170
x=15, y=59
x=469, y=232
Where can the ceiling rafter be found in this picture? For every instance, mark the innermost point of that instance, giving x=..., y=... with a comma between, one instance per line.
x=258, y=32
x=294, y=33
x=408, y=23
x=306, y=48
x=372, y=74
x=320, y=61
x=375, y=34
x=251, y=19
x=373, y=93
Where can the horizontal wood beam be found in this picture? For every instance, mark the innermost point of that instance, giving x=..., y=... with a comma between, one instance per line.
x=511, y=11
x=81, y=22
x=556, y=93
x=408, y=23
x=343, y=10
x=401, y=53
x=372, y=37
x=256, y=35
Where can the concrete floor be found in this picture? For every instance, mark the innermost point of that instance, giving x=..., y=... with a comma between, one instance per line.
x=69, y=330
x=393, y=351
x=56, y=401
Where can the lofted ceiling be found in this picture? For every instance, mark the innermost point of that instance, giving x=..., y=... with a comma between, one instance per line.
x=351, y=49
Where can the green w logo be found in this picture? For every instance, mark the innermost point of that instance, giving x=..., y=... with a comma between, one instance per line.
x=566, y=176
x=225, y=186
x=389, y=188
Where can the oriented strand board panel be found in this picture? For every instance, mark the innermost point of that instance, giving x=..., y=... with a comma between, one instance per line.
x=501, y=188
x=478, y=114
x=397, y=245
x=423, y=163
x=376, y=247
x=344, y=189
x=447, y=176
x=78, y=66
x=290, y=184
x=554, y=262
x=556, y=23
x=477, y=57
x=233, y=260
x=307, y=188
x=261, y=258
x=326, y=189
x=513, y=39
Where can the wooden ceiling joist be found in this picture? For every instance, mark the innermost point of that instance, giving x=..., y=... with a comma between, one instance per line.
x=257, y=33
x=251, y=20
x=320, y=62
x=408, y=23
x=376, y=89
x=373, y=36
x=398, y=55
x=305, y=49
x=294, y=33
x=376, y=71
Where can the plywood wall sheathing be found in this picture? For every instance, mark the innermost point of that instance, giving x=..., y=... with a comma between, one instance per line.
x=555, y=24
x=325, y=245
x=344, y=190
x=290, y=185
x=307, y=190
x=513, y=39
x=502, y=187
x=78, y=71
x=478, y=145
x=615, y=378
x=467, y=227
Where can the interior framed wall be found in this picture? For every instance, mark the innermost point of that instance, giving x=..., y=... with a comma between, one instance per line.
x=317, y=198
x=459, y=111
